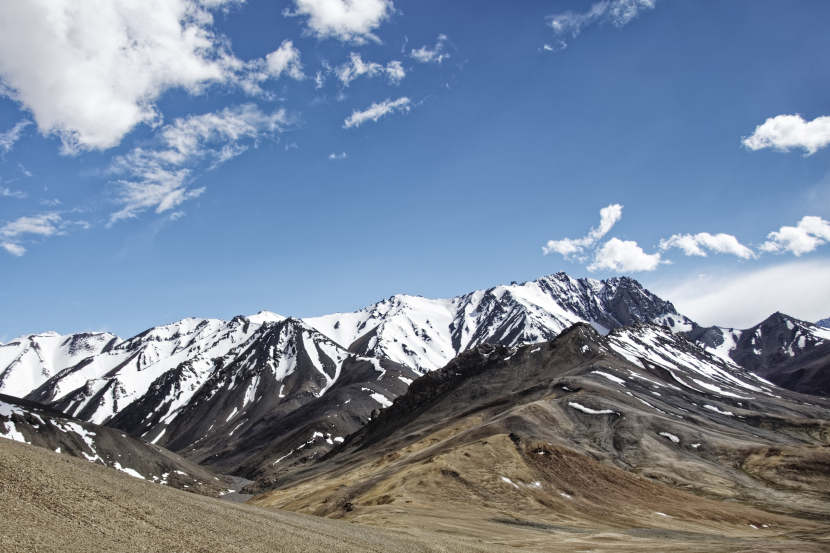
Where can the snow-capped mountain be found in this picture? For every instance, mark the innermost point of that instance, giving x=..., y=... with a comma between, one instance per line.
x=825, y=323
x=98, y=386
x=286, y=389
x=787, y=351
x=202, y=384
x=29, y=361
x=425, y=334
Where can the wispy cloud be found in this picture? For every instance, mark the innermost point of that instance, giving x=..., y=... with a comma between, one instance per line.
x=718, y=243
x=162, y=174
x=376, y=111
x=805, y=237
x=285, y=60
x=434, y=55
x=5, y=192
x=334, y=156
x=355, y=67
x=616, y=12
x=8, y=138
x=345, y=20
x=45, y=225
x=745, y=297
x=569, y=247
x=785, y=132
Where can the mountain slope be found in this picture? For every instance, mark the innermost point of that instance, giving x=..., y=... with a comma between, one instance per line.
x=57, y=503
x=27, y=422
x=789, y=352
x=585, y=433
x=29, y=361
x=425, y=334
x=272, y=397
x=99, y=386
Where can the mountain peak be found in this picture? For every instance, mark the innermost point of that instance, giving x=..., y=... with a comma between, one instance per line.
x=265, y=317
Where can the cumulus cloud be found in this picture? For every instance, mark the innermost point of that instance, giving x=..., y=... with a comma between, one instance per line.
x=435, y=55
x=345, y=20
x=805, y=237
x=623, y=256
x=90, y=70
x=161, y=175
x=718, y=243
x=790, y=131
x=614, y=255
x=356, y=67
x=569, y=247
x=744, y=299
x=376, y=111
x=44, y=226
x=616, y=12
x=334, y=156
x=8, y=138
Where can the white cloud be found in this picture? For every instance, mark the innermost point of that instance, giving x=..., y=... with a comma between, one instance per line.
x=719, y=243
x=345, y=20
x=334, y=156
x=45, y=225
x=623, y=256
x=285, y=59
x=12, y=193
x=376, y=111
x=91, y=70
x=319, y=80
x=744, y=299
x=569, y=247
x=615, y=12
x=356, y=67
x=177, y=215
x=164, y=173
x=8, y=138
x=790, y=131
x=436, y=55
x=15, y=249
x=810, y=233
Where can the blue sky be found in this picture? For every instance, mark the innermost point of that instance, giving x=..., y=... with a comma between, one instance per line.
x=211, y=157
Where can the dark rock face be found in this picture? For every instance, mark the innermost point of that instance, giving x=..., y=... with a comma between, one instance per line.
x=792, y=353
x=825, y=323
x=39, y=425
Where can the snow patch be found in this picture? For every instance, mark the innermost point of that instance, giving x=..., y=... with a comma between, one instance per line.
x=591, y=411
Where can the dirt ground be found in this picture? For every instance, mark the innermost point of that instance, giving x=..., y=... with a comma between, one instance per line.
x=59, y=503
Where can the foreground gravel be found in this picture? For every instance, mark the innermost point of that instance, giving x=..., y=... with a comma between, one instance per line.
x=52, y=502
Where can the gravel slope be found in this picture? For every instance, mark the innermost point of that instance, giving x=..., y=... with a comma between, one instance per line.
x=57, y=503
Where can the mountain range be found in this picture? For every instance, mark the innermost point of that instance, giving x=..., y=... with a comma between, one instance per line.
x=425, y=408
x=584, y=437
